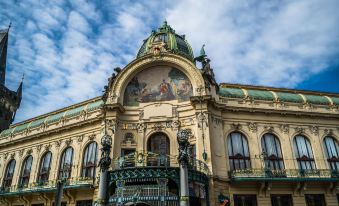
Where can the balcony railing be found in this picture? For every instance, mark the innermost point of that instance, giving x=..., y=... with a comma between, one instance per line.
x=150, y=159
x=47, y=185
x=287, y=174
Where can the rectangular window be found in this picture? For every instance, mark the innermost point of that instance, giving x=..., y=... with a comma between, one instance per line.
x=281, y=200
x=85, y=203
x=315, y=200
x=245, y=200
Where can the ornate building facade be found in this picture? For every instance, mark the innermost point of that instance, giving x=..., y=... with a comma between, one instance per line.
x=248, y=145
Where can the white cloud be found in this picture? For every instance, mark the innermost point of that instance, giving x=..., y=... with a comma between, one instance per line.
x=68, y=50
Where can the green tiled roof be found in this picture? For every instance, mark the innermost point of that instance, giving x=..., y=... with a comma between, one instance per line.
x=260, y=94
x=317, y=99
x=53, y=118
x=37, y=123
x=94, y=105
x=335, y=100
x=231, y=92
x=74, y=112
x=289, y=97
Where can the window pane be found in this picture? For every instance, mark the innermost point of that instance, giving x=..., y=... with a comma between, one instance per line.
x=315, y=200
x=239, y=156
x=303, y=152
x=281, y=200
x=245, y=200
x=89, y=160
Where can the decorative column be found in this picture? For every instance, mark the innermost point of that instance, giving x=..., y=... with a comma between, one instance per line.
x=182, y=138
x=104, y=163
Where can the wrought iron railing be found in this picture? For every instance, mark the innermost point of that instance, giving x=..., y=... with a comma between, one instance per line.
x=149, y=159
x=48, y=185
x=284, y=174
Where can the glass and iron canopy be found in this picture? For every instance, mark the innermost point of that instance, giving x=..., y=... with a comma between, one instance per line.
x=174, y=43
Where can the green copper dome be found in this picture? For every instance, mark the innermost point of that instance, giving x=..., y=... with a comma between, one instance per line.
x=174, y=43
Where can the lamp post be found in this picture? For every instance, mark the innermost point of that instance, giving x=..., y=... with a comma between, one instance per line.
x=104, y=163
x=182, y=138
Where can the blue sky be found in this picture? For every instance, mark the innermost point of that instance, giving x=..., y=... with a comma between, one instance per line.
x=68, y=49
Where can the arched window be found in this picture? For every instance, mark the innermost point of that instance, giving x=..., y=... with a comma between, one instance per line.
x=45, y=166
x=159, y=144
x=332, y=151
x=271, y=146
x=9, y=173
x=26, y=171
x=66, y=163
x=89, y=160
x=304, y=154
x=238, y=153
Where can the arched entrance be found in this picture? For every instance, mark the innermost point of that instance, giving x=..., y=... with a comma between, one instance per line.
x=158, y=143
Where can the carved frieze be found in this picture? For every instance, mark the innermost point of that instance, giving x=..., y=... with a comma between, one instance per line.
x=58, y=143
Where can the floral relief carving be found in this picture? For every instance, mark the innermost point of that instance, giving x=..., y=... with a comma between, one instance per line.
x=141, y=127
x=252, y=126
x=68, y=142
x=80, y=138
x=58, y=143
x=30, y=151
x=299, y=130
x=269, y=128
x=21, y=152
x=176, y=124
x=284, y=128
x=236, y=126
x=158, y=126
x=314, y=130
x=328, y=132
x=38, y=148
x=47, y=147
x=6, y=155
x=12, y=155
x=91, y=137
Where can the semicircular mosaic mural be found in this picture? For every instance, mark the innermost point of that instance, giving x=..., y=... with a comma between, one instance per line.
x=158, y=84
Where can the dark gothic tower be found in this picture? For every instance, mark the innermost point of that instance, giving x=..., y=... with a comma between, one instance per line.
x=9, y=100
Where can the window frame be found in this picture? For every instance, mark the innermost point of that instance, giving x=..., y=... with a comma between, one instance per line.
x=273, y=159
x=86, y=168
x=238, y=157
x=62, y=170
x=7, y=181
x=44, y=173
x=334, y=160
x=25, y=176
x=303, y=158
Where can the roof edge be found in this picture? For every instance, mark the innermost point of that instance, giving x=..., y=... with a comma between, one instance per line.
x=278, y=89
x=55, y=111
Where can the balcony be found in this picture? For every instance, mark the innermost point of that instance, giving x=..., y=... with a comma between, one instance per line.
x=289, y=175
x=153, y=178
x=51, y=185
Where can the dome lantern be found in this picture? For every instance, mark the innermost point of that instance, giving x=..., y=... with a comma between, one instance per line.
x=173, y=42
